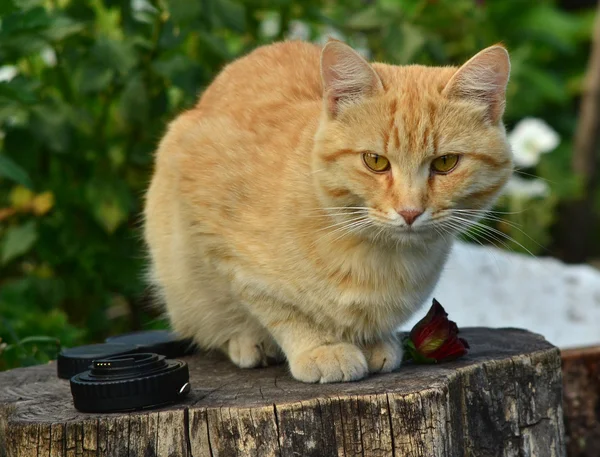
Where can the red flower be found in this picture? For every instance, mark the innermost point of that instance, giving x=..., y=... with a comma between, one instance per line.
x=435, y=338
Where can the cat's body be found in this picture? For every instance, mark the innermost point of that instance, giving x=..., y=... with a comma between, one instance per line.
x=265, y=228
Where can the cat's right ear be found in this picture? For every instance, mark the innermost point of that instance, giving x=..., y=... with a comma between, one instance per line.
x=483, y=80
x=347, y=77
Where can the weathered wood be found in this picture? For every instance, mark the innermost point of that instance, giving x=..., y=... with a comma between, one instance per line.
x=503, y=399
x=581, y=372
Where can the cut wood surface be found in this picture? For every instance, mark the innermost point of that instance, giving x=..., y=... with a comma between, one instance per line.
x=503, y=399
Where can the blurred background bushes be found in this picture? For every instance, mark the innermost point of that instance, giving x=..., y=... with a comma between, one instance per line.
x=89, y=86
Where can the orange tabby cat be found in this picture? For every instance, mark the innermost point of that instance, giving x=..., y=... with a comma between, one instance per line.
x=308, y=202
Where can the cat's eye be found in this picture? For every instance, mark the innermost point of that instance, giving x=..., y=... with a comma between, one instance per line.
x=375, y=162
x=444, y=164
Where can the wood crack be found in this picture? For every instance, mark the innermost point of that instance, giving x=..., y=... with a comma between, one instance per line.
x=389, y=412
x=277, y=427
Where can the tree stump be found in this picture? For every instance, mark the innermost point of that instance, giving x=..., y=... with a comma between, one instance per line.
x=503, y=399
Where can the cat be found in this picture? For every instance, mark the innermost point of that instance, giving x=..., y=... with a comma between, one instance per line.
x=305, y=207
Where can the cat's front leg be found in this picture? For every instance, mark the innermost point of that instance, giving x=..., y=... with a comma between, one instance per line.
x=329, y=362
x=384, y=356
x=313, y=352
x=252, y=347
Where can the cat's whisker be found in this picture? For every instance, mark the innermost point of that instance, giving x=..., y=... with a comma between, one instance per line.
x=330, y=215
x=463, y=225
x=344, y=226
x=380, y=232
x=442, y=231
x=493, y=219
x=487, y=211
x=511, y=224
x=342, y=223
x=482, y=214
x=473, y=238
x=491, y=230
x=474, y=223
x=517, y=170
x=338, y=210
x=354, y=227
x=490, y=217
x=343, y=207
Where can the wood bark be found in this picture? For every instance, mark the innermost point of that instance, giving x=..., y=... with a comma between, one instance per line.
x=503, y=399
x=581, y=381
x=580, y=217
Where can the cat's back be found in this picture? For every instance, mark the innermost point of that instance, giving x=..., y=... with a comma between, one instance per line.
x=245, y=144
x=273, y=76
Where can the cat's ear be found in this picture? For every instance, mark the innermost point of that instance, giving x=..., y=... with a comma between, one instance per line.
x=347, y=77
x=483, y=80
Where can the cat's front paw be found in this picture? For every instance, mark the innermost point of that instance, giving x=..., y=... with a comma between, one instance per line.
x=330, y=363
x=383, y=356
x=249, y=351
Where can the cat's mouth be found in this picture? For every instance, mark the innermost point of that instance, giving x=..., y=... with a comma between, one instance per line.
x=397, y=223
x=399, y=227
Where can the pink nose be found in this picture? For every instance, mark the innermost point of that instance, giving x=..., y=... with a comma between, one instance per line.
x=410, y=215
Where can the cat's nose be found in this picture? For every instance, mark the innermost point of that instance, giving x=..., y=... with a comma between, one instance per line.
x=410, y=215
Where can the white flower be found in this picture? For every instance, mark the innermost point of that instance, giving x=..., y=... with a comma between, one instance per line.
x=298, y=30
x=270, y=25
x=7, y=73
x=48, y=56
x=531, y=138
x=143, y=11
x=142, y=5
x=526, y=188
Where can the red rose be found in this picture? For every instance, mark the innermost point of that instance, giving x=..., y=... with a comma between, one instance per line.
x=434, y=338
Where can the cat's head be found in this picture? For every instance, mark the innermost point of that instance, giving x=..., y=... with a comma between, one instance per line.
x=411, y=151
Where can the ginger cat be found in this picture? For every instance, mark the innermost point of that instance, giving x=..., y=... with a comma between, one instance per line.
x=306, y=205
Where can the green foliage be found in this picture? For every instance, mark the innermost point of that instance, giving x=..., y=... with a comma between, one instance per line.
x=98, y=81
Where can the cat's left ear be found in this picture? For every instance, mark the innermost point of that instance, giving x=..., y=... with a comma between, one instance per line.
x=347, y=77
x=483, y=80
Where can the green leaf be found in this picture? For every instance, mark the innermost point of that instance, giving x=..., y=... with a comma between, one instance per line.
x=7, y=7
x=118, y=55
x=19, y=89
x=411, y=353
x=18, y=240
x=10, y=170
x=93, y=78
x=110, y=203
x=404, y=46
x=232, y=15
x=366, y=19
x=184, y=10
x=111, y=215
x=50, y=122
x=134, y=100
x=215, y=44
x=551, y=23
x=61, y=27
x=28, y=4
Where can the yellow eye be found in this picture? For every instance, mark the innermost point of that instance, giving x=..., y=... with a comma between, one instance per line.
x=375, y=162
x=444, y=164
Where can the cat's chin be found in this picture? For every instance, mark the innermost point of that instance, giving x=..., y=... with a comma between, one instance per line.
x=408, y=235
